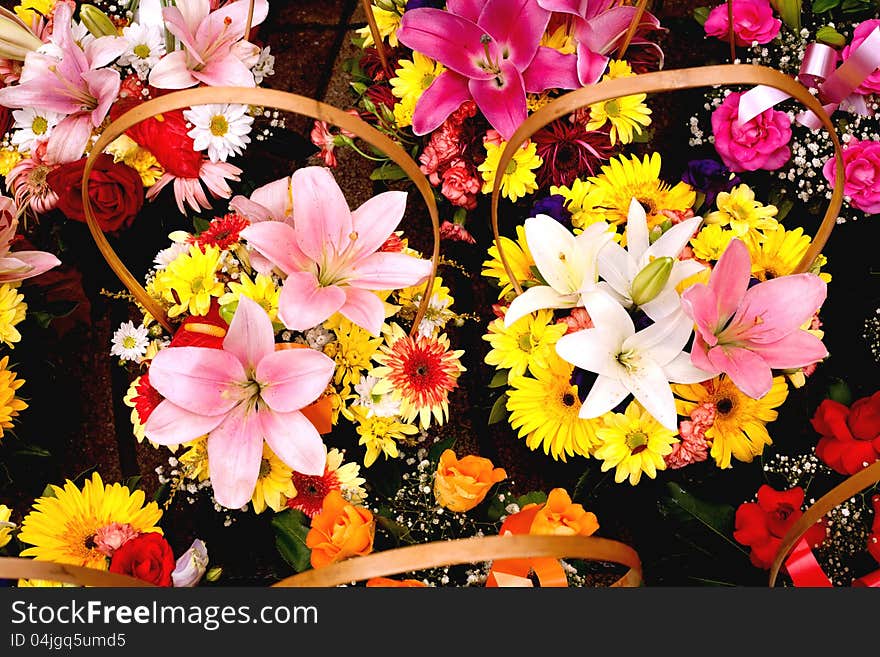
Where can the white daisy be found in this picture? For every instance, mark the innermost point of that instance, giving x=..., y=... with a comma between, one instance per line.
x=378, y=404
x=130, y=342
x=31, y=127
x=436, y=316
x=221, y=129
x=146, y=45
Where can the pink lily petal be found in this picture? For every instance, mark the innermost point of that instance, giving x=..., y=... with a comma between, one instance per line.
x=593, y=349
x=447, y=38
x=445, y=95
x=74, y=58
x=730, y=278
x=204, y=381
x=276, y=198
x=321, y=214
x=34, y=263
x=104, y=50
x=170, y=424
x=605, y=29
x=235, y=453
x=215, y=28
x=502, y=99
x=181, y=26
x=250, y=336
x=606, y=393
x=277, y=242
x=227, y=71
x=746, y=369
x=292, y=379
x=375, y=220
x=364, y=309
x=303, y=304
x=253, y=212
x=576, y=7
x=701, y=305
x=651, y=389
x=797, y=349
x=295, y=441
x=550, y=69
x=192, y=13
x=171, y=72
x=700, y=356
x=773, y=309
x=388, y=271
x=103, y=84
x=591, y=65
x=69, y=139
x=517, y=26
x=467, y=9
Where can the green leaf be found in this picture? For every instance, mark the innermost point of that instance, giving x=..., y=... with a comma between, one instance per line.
x=500, y=379
x=48, y=491
x=400, y=532
x=359, y=87
x=291, y=527
x=537, y=274
x=855, y=6
x=579, y=494
x=499, y=409
x=44, y=317
x=132, y=482
x=821, y=6
x=701, y=14
x=200, y=225
x=839, y=391
x=438, y=448
x=33, y=450
x=161, y=493
x=535, y=497
x=689, y=510
x=829, y=36
x=643, y=137
x=388, y=172
x=789, y=11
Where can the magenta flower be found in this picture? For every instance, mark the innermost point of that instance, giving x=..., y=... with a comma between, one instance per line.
x=486, y=47
x=745, y=332
x=861, y=161
x=241, y=395
x=18, y=265
x=753, y=22
x=330, y=253
x=71, y=81
x=759, y=143
x=213, y=43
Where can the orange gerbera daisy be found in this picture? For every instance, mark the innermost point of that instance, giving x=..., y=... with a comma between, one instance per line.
x=419, y=372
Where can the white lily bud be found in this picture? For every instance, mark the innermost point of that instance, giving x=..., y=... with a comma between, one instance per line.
x=16, y=38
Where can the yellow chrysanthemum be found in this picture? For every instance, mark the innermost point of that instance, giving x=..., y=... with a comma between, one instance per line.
x=8, y=159
x=126, y=150
x=414, y=76
x=627, y=114
x=189, y=282
x=388, y=23
x=194, y=461
x=348, y=475
x=544, y=411
x=10, y=405
x=262, y=290
x=581, y=203
x=6, y=526
x=274, y=484
x=380, y=434
x=28, y=10
x=63, y=528
x=518, y=178
x=710, y=242
x=633, y=442
x=403, y=111
x=534, y=102
x=777, y=252
x=12, y=312
x=353, y=351
x=740, y=427
x=623, y=179
x=561, y=38
x=528, y=342
x=518, y=257
x=739, y=210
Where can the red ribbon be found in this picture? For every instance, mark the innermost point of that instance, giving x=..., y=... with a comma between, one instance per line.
x=805, y=571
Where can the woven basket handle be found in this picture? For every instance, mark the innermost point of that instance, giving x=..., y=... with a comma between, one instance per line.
x=272, y=98
x=471, y=550
x=674, y=80
x=20, y=568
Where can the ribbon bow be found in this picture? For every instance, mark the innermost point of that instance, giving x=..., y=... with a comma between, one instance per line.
x=805, y=571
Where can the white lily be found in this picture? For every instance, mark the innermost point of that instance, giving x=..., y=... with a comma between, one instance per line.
x=567, y=262
x=619, y=267
x=641, y=364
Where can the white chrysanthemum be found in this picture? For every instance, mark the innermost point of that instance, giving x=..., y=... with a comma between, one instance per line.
x=166, y=256
x=146, y=45
x=380, y=405
x=436, y=316
x=130, y=342
x=264, y=67
x=221, y=129
x=31, y=127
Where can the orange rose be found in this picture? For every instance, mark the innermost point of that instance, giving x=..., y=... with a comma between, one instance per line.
x=461, y=484
x=339, y=531
x=560, y=517
x=387, y=582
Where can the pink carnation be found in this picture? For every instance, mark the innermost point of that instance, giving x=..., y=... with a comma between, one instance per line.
x=761, y=143
x=871, y=84
x=577, y=320
x=861, y=161
x=693, y=447
x=455, y=233
x=752, y=22
x=460, y=185
x=110, y=538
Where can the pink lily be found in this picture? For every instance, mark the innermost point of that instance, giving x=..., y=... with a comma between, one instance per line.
x=486, y=48
x=241, y=395
x=72, y=83
x=18, y=265
x=271, y=202
x=215, y=51
x=745, y=332
x=330, y=253
x=598, y=27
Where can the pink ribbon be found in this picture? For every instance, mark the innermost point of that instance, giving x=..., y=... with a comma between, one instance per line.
x=835, y=85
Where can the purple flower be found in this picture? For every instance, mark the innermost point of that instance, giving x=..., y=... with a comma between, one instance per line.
x=553, y=206
x=419, y=4
x=709, y=177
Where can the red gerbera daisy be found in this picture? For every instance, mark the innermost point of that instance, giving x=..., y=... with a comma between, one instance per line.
x=311, y=491
x=222, y=232
x=570, y=151
x=147, y=398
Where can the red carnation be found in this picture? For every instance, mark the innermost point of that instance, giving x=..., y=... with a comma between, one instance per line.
x=222, y=232
x=850, y=436
x=147, y=557
x=762, y=525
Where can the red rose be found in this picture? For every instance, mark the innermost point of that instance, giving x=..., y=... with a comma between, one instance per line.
x=762, y=525
x=147, y=557
x=115, y=190
x=850, y=436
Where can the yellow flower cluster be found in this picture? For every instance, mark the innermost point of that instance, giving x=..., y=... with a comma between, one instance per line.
x=518, y=178
x=190, y=281
x=12, y=312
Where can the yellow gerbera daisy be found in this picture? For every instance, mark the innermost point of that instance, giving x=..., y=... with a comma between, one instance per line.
x=353, y=351
x=518, y=178
x=380, y=434
x=10, y=405
x=274, y=484
x=710, y=242
x=544, y=411
x=739, y=210
x=6, y=526
x=627, y=114
x=190, y=280
x=12, y=312
x=529, y=341
x=388, y=23
x=414, y=76
x=623, y=179
x=65, y=528
x=633, y=442
x=518, y=257
x=777, y=252
x=262, y=290
x=9, y=157
x=740, y=423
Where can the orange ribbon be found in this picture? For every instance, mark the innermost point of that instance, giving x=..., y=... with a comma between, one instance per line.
x=514, y=572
